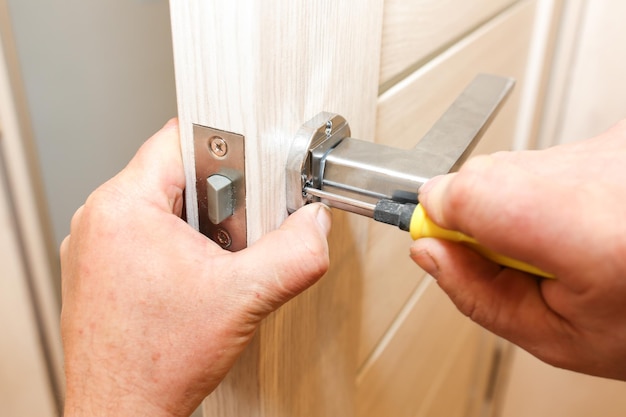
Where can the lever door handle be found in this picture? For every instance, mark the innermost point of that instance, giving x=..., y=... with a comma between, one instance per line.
x=326, y=164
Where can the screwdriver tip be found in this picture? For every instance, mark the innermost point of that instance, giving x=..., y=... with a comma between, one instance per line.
x=392, y=212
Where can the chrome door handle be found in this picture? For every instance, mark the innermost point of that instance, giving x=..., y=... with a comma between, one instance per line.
x=326, y=164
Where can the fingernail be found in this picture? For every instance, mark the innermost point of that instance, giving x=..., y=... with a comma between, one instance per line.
x=424, y=259
x=431, y=196
x=428, y=185
x=324, y=218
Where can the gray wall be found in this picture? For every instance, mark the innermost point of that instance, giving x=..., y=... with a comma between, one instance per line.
x=99, y=81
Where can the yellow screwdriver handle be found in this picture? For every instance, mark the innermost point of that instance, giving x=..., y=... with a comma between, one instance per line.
x=422, y=226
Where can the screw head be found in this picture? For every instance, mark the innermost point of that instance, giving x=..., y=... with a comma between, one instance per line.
x=218, y=146
x=222, y=237
x=329, y=128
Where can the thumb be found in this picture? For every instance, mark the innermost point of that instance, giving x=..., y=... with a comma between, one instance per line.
x=290, y=259
x=507, y=209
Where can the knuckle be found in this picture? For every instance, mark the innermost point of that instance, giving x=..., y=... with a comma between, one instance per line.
x=468, y=306
x=477, y=311
x=76, y=218
x=102, y=213
x=103, y=202
x=615, y=132
x=621, y=125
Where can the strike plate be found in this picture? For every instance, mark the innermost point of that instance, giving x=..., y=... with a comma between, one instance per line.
x=218, y=152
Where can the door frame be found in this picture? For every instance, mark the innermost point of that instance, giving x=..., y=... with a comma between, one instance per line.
x=23, y=187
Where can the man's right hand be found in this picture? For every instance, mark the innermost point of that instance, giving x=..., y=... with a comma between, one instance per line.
x=563, y=210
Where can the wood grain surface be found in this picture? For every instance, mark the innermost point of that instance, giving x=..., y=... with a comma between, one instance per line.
x=405, y=113
x=261, y=69
x=415, y=31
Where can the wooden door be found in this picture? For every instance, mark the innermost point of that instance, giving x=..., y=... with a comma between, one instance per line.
x=375, y=337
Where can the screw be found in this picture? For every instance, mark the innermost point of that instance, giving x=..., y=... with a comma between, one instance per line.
x=223, y=238
x=329, y=127
x=218, y=146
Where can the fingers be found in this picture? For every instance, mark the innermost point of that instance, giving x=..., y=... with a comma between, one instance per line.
x=506, y=302
x=156, y=171
x=287, y=261
x=507, y=209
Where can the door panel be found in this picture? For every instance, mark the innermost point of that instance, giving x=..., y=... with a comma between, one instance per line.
x=461, y=389
x=405, y=113
x=434, y=359
x=413, y=31
x=398, y=377
x=375, y=337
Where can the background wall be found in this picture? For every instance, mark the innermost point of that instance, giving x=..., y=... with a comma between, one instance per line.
x=99, y=80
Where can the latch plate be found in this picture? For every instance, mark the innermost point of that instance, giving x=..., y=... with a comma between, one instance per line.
x=222, y=153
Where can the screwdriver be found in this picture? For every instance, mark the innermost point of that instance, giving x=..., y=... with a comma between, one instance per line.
x=413, y=219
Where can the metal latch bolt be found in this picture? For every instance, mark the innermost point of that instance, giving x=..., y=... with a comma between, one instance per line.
x=220, y=202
